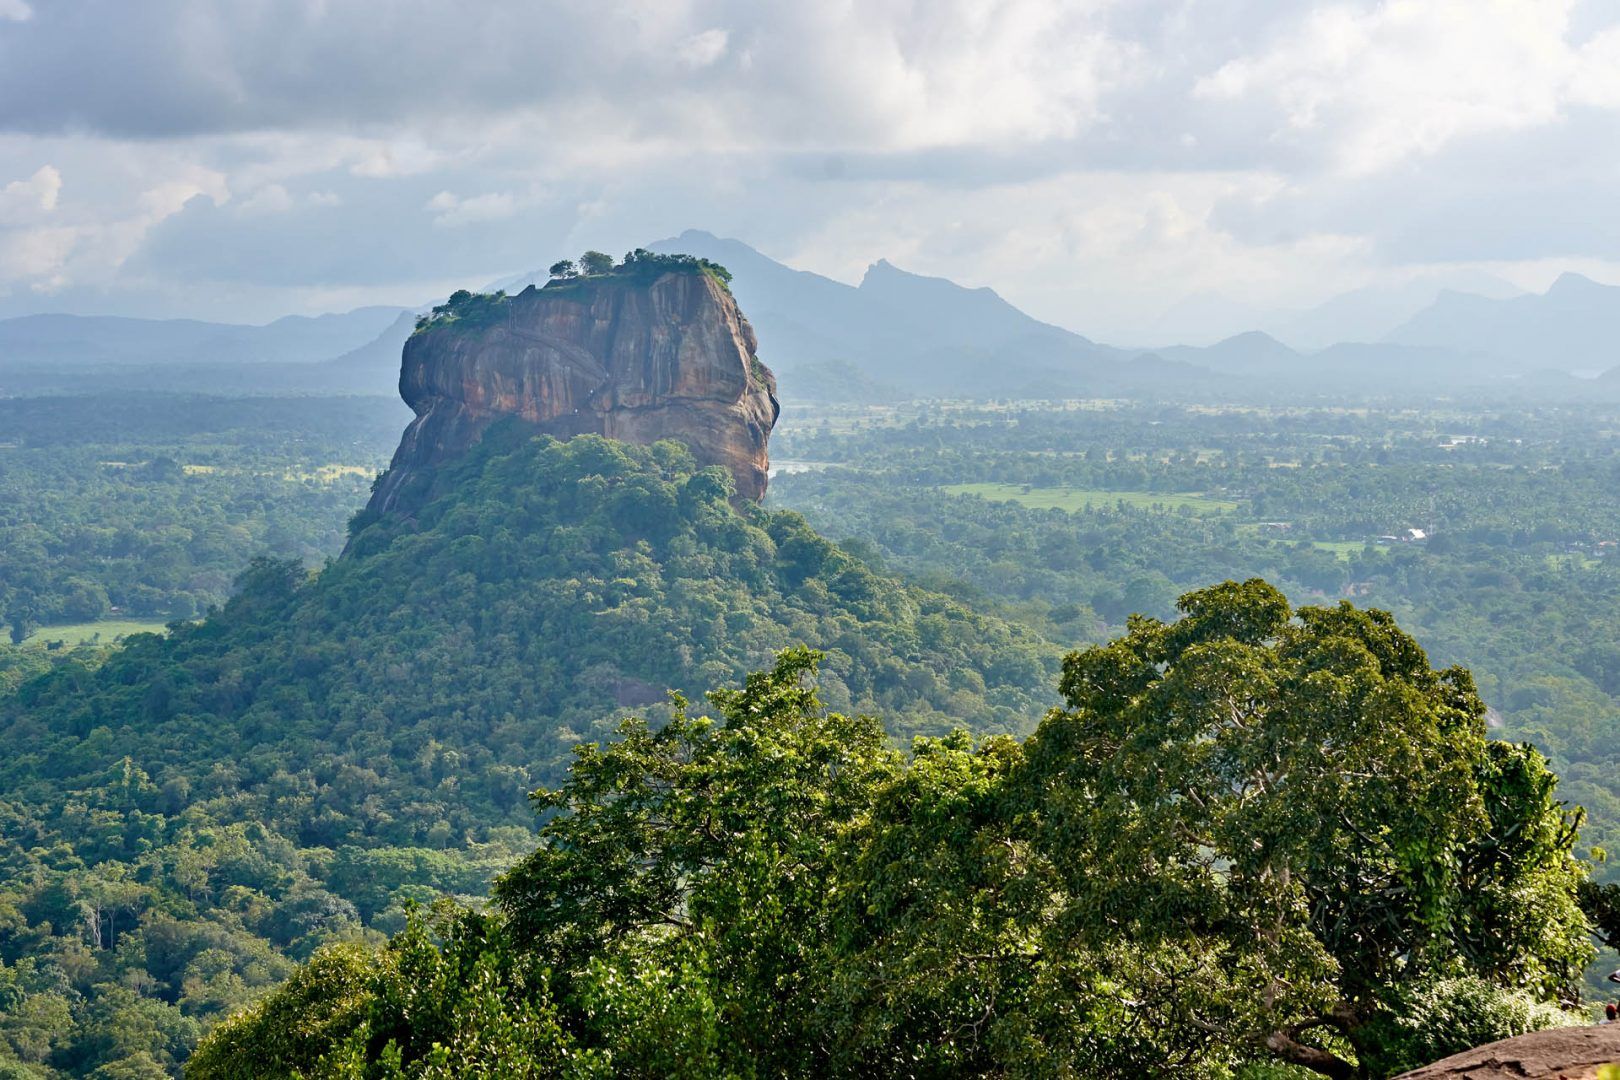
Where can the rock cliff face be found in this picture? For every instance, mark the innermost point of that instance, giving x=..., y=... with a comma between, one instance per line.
x=634, y=357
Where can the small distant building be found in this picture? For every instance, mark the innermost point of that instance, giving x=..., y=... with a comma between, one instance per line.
x=1276, y=526
x=1413, y=536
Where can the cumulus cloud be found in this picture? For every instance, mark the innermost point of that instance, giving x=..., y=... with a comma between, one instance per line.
x=452, y=210
x=1372, y=85
x=702, y=49
x=33, y=247
x=26, y=200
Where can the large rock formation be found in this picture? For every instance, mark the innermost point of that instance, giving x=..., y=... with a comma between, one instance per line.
x=1571, y=1053
x=637, y=355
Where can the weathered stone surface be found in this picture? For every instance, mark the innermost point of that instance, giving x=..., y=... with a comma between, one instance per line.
x=1573, y=1053
x=633, y=358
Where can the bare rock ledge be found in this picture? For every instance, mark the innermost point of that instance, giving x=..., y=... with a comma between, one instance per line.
x=1571, y=1053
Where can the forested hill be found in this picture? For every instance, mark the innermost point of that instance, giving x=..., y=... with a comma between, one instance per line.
x=289, y=770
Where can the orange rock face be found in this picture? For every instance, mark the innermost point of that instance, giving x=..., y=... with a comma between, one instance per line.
x=634, y=359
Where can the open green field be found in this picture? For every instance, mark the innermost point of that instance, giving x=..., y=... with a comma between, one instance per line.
x=1073, y=499
x=1344, y=549
x=103, y=631
x=331, y=474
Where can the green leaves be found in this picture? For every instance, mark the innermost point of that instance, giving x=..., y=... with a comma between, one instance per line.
x=1305, y=797
x=448, y=997
x=706, y=845
x=1253, y=835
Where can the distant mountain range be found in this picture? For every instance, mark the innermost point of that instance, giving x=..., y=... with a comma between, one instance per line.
x=1574, y=325
x=899, y=334
x=1365, y=314
x=1533, y=342
x=930, y=336
x=353, y=352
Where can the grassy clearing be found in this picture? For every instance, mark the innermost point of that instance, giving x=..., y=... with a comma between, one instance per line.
x=102, y=631
x=331, y=474
x=321, y=474
x=1344, y=549
x=1573, y=561
x=1074, y=499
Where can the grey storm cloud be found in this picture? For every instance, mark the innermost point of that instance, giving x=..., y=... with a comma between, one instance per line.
x=169, y=68
x=1090, y=83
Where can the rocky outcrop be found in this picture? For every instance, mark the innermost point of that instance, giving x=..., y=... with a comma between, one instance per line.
x=1570, y=1053
x=637, y=357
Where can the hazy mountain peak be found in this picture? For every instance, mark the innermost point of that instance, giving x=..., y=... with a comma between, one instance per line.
x=1570, y=283
x=1573, y=325
x=1254, y=339
x=883, y=272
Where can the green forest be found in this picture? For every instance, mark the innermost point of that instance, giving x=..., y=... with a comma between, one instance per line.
x=324, y=750
x=148, y=506
x=309, y=795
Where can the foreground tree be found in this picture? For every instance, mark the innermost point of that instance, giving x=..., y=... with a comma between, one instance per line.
x=702, y=855
x=450, y=996
x=1253, y=835
x=1302, y=822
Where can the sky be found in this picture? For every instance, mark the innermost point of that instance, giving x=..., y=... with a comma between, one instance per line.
x=1128, y=169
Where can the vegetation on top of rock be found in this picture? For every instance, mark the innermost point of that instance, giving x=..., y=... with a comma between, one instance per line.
x=465, y=308
x=637, y=263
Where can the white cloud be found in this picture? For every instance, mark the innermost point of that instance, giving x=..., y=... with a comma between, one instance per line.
x=1596, y=79
x=1373, y=85
x=452, y=210
x=36, y=256
x=46, y=245
x=1093, y=251
x=167, y=197
x=381, y=160
x=270, y=199
x=15, y=11
x=28, y=200
x=703, y=49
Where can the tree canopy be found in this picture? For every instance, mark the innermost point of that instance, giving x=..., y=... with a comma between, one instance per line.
x=1250, y=836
